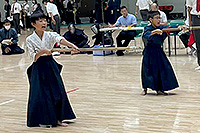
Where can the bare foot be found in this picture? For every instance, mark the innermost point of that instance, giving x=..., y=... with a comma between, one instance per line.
x=62, y=124
x=144, y=92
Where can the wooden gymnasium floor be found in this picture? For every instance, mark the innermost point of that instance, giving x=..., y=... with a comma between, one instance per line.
x=108, y=99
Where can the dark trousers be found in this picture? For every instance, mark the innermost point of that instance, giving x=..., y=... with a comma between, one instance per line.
x=14, y=49
x=16, y=22
x=144, y=14
x=185, y=38
x=28, y=22
x=70, y=17
x=127, y=36
x=56, y=27
x=196, y=22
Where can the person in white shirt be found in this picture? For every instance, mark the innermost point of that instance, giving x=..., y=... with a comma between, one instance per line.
x=194, y=20
x=17, y=15
x=48, y=104
x=143, y=6
x=53, y=13
x=163, y=16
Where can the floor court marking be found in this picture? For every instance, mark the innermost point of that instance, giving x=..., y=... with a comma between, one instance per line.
x=73, y=90
x=7, y=102
x=10, y=67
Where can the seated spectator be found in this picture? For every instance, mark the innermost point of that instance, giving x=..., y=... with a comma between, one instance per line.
x=126, y=20
x=76, y=36
x=9, y=39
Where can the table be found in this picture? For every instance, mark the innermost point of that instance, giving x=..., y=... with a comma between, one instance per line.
x=138, y=28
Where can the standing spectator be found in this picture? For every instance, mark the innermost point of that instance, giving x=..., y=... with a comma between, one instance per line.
x=194, y=20
x=17, y=15
x=7, y=8
x=53, y=13
x=98, y=11
x=143, y=6
x=112, y=11
x=59, y=5
x=65, y=10
x=39, y=8
x=34, y=6
x=26, y=11
x=70, y=14
x=163, y=16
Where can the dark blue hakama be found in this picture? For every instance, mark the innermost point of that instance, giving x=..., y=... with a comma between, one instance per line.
x=157, y=72
x=48, y=101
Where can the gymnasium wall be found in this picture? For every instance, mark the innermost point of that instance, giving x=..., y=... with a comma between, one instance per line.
x=178, y=5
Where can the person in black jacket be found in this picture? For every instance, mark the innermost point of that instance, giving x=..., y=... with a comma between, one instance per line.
x=76, y=36
x=7, y=8
x=9, y=40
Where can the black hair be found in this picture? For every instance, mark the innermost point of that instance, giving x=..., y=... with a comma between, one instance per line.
x=71, y=24
x=7, y=1
x=151, y=14
x=36, y=16
x=44, y=1
x=6, y=21
x=35, y=1
x=122, y=7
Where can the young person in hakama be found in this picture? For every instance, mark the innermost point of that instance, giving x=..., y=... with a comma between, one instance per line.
x=48, y=104
x=157, y=72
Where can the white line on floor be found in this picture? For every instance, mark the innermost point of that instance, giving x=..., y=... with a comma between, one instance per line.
x=7, y=102
x=10, y=67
